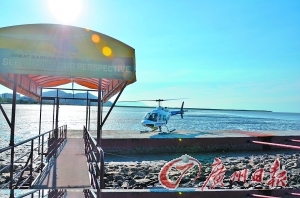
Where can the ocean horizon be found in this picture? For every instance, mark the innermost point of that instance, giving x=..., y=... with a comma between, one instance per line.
x=128, y=118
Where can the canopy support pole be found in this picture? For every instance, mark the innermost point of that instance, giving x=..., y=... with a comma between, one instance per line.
x=89, y=124
x=99, y=113
x=86, y=112
x=56, y=125
x=12, y=135
x=40, y=121
x=113, y=105
x=5, y=116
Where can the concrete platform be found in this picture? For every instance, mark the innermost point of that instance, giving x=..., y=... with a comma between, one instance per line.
x=131, y=142
x=132, y=134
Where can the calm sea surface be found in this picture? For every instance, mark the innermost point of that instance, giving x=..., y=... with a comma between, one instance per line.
x=27, y=125
x=126, y=118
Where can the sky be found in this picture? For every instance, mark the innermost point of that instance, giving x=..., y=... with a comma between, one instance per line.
x=211, y=54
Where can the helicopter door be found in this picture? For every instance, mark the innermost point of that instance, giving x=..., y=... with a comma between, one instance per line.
x=159, y=118
x=164, y=119
x=153, y=117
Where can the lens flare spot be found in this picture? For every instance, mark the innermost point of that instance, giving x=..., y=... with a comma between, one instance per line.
x=180, y=193
x=180, y=139
x=106, y=51
x=95, y=38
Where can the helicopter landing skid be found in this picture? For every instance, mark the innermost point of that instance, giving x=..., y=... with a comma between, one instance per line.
x=145, y=131
x=171, y=131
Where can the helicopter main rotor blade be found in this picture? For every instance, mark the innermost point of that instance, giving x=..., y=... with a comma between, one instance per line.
x=135, y=100
x=173, y=99
x=157, y=100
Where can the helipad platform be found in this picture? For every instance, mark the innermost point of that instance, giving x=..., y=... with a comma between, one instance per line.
x=130, y=142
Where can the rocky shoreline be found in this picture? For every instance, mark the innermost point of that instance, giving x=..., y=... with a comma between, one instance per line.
x=144, y=174
x=18, y=166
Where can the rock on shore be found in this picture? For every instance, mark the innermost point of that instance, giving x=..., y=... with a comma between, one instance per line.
x=18, y=166
x=137, y=175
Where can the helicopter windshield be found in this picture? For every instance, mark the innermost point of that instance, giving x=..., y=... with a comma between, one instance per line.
x=146, y=117
x=153, y=117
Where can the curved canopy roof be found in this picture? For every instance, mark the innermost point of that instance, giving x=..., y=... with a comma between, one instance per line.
x=49, y=55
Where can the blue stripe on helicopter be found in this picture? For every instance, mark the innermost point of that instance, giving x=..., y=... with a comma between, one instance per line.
x=176, y=112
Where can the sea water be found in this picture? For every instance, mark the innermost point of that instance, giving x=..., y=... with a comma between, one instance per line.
x=128, y=118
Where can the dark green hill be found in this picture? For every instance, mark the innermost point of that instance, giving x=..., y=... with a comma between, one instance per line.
x=63, y=94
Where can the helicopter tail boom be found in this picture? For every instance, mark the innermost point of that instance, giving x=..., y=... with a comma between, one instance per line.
x=181, y=111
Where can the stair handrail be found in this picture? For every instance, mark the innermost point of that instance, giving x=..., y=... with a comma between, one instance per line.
x=37, y=154
x=95, y=160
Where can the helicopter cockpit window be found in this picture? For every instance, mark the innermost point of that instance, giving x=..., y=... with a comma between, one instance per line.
x=153, y=117
x=146, y=117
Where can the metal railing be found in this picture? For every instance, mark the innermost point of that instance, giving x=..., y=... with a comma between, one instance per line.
x=34, y=193
x=276, y=144
x=95, y=160
x=57, y=193
x=89, y=193
x=30, y=159
x=50, y=193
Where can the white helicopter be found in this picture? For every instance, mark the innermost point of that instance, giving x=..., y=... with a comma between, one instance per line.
x=160, y=116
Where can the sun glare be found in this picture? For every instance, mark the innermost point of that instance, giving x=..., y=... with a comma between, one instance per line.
x=65, y=10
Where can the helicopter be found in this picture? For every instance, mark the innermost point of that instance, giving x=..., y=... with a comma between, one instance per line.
x=160, y=116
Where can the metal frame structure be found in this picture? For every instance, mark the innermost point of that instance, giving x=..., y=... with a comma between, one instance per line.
x=108, y=74
x=57, y=132
x=36, y=155
x=100, y=121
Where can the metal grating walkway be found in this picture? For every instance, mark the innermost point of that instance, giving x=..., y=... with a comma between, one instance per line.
x=68, y=170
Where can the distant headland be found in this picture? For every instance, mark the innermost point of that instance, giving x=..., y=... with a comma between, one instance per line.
x=6, y=98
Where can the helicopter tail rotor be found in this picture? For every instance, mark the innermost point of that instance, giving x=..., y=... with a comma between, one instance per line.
x=181, y=110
